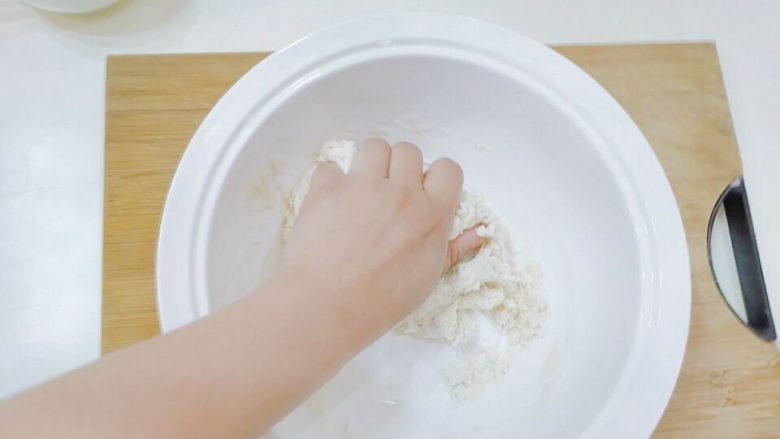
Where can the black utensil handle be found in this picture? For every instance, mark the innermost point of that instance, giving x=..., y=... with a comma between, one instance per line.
x=743, y=242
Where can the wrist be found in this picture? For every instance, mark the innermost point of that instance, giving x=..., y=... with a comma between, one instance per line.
x=327, y=312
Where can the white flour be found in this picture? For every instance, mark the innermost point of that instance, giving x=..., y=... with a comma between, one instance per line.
x=489, y=286
x=469, y=378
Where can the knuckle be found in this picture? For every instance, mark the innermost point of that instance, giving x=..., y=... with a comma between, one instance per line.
x=449, y=167
x=408, y=148
x=324, y=177
x=375, y=144
x=452, y=166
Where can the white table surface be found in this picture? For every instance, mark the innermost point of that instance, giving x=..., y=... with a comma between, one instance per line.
x=52, y=84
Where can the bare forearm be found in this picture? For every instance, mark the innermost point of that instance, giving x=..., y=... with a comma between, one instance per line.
x=366, y=249
x=232, y=374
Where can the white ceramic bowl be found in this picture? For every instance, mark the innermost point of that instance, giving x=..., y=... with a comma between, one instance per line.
x=548, y=148
x=71, y=6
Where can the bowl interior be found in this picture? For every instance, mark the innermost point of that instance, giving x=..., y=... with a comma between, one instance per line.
x=542, y=171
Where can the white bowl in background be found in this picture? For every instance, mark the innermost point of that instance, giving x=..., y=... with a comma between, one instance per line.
x=548, y=148
x=70, y=6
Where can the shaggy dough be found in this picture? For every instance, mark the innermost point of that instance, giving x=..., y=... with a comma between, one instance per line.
x=490, y=284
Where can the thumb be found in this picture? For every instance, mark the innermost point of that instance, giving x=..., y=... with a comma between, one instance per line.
x=465, y=244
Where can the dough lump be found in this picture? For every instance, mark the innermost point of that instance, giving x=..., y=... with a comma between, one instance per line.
x=490, y=284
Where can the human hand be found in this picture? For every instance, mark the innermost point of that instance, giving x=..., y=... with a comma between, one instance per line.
x=375, y=240
x=366, y=250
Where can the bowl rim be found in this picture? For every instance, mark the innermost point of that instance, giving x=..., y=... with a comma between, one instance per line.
x=646, y=385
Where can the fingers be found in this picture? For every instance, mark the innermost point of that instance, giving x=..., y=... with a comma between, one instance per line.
x=325, y=173
x=443, y=183
x=372, y=158
x=465, y=244
x=406, y=163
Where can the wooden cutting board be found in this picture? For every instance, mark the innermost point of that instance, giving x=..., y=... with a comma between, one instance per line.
x=730, y=383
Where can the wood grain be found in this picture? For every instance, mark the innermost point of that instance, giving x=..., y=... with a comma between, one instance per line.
x=153, y=106
x=730, y=383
